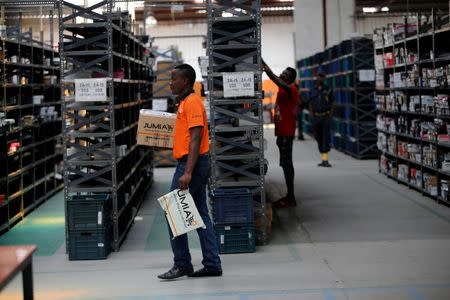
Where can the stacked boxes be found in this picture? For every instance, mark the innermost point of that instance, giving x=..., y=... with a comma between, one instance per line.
x=88, y=219
x=234, y=220
x=163, y=101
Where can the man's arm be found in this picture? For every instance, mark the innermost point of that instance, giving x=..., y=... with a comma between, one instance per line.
x=194, y=152
x=280, y=83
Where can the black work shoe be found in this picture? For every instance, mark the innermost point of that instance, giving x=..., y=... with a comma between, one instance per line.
x=175, y=273
x=204, y=272
x=325, y=164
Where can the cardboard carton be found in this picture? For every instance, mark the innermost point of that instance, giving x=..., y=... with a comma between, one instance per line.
x=156, y=128
x=161, y=89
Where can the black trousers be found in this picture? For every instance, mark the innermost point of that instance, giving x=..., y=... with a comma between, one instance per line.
x=322, y=131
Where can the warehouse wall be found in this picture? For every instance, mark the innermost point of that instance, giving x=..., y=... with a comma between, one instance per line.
x=277, y=37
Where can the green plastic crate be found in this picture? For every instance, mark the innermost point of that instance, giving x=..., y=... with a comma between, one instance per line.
x=237, y=238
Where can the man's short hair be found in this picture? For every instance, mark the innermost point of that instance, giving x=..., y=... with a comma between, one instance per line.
x=188, y=72
x=292, y=72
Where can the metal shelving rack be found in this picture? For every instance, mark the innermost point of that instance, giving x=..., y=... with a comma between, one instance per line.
x=430, y=37
x=28, y=175
x=166, y=58
x=236, y=124
x=354, y=111
x=93, y=131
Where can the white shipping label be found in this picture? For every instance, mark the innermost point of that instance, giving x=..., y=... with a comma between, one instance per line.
x=238, y=84
x=366, y=75
x=101, y=245
x=159, y=104
x=222, y=239
x=99, y=218
x=93, y=89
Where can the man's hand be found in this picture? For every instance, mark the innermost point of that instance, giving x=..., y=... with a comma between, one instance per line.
x=183, y=181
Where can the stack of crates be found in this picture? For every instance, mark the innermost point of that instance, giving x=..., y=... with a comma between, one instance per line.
x=233, y=220
x=89, y=226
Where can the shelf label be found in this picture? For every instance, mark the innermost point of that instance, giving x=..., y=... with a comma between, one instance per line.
x=238, y=84
x=366, y=75
x=93, y=89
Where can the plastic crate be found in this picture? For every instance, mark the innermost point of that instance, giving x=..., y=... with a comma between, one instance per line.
x=238, y=238
x=89, y=244
x=88, y=212
x=232, y=206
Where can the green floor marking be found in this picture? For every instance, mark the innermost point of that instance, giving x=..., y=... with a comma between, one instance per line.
x=158, y=238
x=43, y=227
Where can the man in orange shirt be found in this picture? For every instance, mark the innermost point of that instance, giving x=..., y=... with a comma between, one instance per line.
x=191, y=148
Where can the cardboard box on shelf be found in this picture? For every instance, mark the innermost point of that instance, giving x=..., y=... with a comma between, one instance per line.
x=161, y=89
x=163, y=69
x=156, y=128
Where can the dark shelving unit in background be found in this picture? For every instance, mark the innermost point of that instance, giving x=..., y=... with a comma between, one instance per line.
x=410, y=112
x=354, y=113
x=236, y=122
x=29, y=153
x=101, y=157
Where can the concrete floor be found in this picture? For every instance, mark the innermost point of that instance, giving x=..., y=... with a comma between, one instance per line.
x=356, y=235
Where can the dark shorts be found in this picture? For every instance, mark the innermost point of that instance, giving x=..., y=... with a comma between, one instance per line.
x=284, y=144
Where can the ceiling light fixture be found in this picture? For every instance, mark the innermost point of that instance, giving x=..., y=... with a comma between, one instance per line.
x=385, y=9
x=226, y=14
x=370, y=10
x=150, y=21
x=277, y=8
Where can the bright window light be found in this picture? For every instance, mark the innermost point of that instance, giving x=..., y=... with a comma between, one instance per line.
x=385, y=9
x=370, y=9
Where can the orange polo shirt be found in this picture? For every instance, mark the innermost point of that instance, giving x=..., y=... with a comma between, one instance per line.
x=191, y=113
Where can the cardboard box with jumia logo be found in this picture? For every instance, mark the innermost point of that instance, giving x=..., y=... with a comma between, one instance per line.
x=156, y=128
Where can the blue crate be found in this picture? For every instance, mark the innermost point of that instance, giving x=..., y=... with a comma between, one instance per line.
x=232, y=206
x=237, y=238
x=88, y=212
x=88, y=244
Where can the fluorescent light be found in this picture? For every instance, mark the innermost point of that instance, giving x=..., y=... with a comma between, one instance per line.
x=150, y=20
x=385, y=9
x=370, y=9
x=277, y=8
x=198, y=1
x=201, y=11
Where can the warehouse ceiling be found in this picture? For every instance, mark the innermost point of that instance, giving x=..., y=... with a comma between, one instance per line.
x=402, y=6
x=175, y=10
x=168, y=10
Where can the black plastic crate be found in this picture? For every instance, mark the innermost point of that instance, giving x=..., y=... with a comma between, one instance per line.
x=88, y=244
x=238, y=238
x=88, y=212
x=231, y=206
